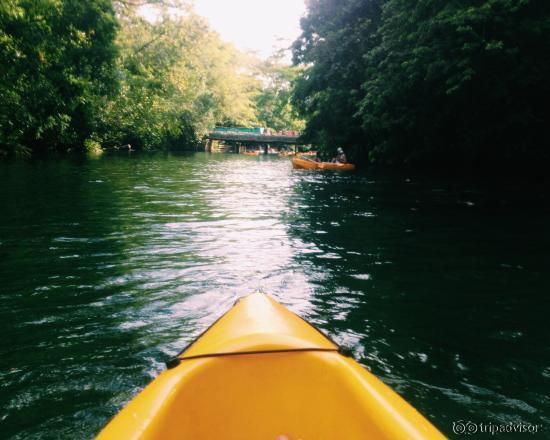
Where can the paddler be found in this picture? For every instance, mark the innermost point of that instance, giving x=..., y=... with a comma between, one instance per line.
x=340, y=157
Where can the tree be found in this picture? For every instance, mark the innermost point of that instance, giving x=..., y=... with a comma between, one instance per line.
x=273, y=101
x=335, y=37
x=57, y=60
x=462, y=82
x=177, y=78
x=429, y=82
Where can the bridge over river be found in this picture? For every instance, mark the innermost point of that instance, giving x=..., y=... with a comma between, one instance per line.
x=242, y=138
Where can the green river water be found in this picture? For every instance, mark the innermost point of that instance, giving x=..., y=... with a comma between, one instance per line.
x=110, y=266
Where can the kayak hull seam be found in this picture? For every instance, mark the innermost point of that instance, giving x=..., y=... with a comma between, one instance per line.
x=252, y=352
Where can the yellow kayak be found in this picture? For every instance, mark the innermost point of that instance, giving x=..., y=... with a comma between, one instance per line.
x=309, y=164
x=262, y=373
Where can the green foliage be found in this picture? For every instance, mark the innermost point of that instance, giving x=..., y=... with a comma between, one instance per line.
x=93, y=147
x=433, y=81
x=273, y=102
x=74, y=70
x=56, y=59
x=177, y=79
x=329, y=91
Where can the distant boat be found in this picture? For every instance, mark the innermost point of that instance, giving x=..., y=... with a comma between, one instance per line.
x=308, y=164
x=287, y=153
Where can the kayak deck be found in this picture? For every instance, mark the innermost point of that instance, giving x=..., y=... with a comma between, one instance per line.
x=261, y=372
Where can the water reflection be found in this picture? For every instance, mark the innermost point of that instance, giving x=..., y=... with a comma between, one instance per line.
x=111, y=266
x=409, y=277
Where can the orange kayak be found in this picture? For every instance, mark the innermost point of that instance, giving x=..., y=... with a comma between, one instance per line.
x=262, y=373
x=312, y=165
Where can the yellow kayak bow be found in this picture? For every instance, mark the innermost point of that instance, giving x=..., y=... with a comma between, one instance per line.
x=262, y=373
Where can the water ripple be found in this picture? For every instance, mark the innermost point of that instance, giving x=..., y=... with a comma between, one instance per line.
x=117, y=264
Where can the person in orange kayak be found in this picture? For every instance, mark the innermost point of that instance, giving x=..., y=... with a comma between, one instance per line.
x=340, y=157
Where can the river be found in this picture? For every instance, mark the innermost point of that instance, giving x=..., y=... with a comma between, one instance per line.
x=110, y=266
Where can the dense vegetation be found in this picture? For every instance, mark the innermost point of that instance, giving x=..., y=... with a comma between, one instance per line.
x=274, y=102
x=430, y=82
x=56, y=68
x=177, y=79
x=433, y=81
x=95, y=74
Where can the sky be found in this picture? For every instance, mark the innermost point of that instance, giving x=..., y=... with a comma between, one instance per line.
x=257, y=25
